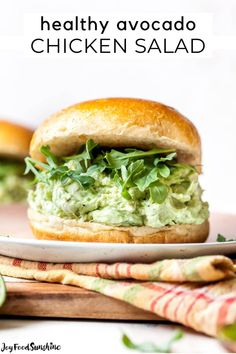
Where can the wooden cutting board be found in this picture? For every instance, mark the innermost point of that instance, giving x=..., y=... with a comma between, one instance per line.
x=55, y=300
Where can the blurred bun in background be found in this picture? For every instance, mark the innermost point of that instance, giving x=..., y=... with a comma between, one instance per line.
x=14, y=147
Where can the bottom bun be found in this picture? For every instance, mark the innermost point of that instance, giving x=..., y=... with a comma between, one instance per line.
x=53, y=227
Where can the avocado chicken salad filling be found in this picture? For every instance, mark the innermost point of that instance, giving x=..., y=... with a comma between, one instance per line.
x=119, y=187
x=13, y=185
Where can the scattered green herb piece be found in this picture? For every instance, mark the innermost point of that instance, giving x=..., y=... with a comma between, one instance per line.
x=227, y=337
x=228, y=332
x=149, y=347
x=221, y=238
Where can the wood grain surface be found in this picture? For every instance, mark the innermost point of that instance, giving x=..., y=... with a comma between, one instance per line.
x=55, y=300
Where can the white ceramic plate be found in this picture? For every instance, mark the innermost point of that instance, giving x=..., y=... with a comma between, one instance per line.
x=21, y=244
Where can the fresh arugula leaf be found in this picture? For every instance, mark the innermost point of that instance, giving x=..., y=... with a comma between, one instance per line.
x=90, y=146
x=30, y=167
x=221, y=238
x=158, y=193
x=169, y=157
x=133, y=171
x=128, y=175
x=86, y=152
x=56, y=171
x=124, y=173
x=51, y=158
x=83, y=180
x=60, y=172
x=150, y=347
x=115, y=159
x=145, y=181
x=163, y=170
x=85, y=155
x=136, y=168
x=142, y=154
x=95, y=168
x=117, y=180
x=153, y=171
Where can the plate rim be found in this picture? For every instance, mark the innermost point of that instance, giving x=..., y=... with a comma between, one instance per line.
x=37, y=243
x=69, y=244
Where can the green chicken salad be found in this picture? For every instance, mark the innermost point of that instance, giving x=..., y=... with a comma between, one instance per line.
x=119, y=187
x=13, y=184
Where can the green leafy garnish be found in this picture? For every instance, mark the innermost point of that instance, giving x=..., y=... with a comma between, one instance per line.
x=151, y=172
x=150, y=347
x=221, y=238
x=228, y=332
x=145, y=181
x=85, y=156
x=227, y=337
x=51, y=159
x=55, y=169
x=158, y=193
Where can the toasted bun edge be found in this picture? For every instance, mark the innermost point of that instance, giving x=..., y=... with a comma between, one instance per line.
x=14, y=140
x=56, y=228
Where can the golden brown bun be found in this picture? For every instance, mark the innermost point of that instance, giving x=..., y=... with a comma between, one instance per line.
x=14, y=140
x=119, y=122
x=56, y=228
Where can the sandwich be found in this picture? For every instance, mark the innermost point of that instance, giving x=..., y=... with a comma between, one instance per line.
x=118, y=170
x=14, y=147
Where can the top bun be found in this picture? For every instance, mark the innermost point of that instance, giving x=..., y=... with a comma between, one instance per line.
x=119, y=122
x=14, y=140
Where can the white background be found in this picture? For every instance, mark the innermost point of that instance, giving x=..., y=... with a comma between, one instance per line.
x=202, y=89
x=100, y=337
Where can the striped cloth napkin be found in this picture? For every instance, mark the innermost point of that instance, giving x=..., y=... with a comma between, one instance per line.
x=198, y=292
